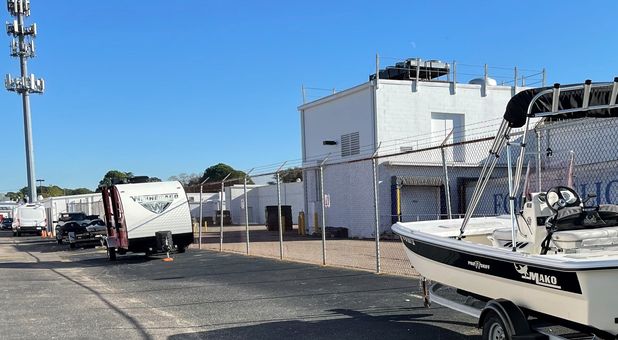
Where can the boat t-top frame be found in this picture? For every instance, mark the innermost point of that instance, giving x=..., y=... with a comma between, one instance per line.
x=589, y=99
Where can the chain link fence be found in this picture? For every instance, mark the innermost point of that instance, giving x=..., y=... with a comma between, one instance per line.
x=341, y=213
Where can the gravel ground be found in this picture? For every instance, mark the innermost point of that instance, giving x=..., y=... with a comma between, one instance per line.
x=348, y=253
x=48, y=292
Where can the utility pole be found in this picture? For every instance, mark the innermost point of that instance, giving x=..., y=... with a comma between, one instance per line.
x=40, y=182
x=22, y=47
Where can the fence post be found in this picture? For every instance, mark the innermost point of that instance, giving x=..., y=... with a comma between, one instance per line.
x=484, y=87
x=279, y=211
x=201, y=213
x=447, y=187
x=377, y=70
x=221, y=209
x=323, y=210
x=246, y=210
x=538, y=159
x=376, y=208
x=454, y=77
x=302, y=89
x=515, y=81
x=417, y=75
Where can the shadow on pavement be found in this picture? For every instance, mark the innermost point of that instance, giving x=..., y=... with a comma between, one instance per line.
x=350, y=325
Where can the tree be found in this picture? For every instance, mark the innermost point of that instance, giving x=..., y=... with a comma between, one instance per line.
x=185, y=179
x=15, y=196
x=52, y=191
x=154, y=179
x=217, y=173
x=81, y=191
x=290, y=175
x=114, y=176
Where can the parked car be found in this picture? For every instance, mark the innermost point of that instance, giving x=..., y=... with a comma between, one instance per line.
x=66, y=219
x=74, y=228
x=7, y=223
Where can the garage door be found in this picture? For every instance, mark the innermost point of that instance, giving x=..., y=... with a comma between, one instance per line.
x=419, y=203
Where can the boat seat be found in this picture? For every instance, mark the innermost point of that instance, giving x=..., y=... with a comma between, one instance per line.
x=502, y=237
x=609, y=213
x=571, y=218
x=581, y=228
x=582, y=238
x=503, y=234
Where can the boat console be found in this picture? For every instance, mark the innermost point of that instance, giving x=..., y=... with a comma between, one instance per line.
x=559, y=221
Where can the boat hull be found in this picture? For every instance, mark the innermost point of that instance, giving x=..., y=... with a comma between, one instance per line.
x=585, y=297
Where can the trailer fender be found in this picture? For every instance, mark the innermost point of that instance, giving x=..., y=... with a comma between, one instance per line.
x=512, y=317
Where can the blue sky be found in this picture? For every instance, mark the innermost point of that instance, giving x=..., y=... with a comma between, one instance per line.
x=164, y=87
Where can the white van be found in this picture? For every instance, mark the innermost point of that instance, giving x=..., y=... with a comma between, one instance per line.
x=29, y=218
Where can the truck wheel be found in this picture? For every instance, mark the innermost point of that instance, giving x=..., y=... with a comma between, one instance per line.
x=494, y=329
x=111, y=254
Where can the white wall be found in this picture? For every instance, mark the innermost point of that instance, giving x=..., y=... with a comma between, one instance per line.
x=210, y=204
x=403, y=113
x=260, y=196
x=90, y=204
x=329, y=118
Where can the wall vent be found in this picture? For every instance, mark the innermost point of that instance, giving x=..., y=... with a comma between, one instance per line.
x=350, y=144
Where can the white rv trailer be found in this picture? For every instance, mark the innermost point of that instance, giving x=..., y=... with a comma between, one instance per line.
x=148, y=217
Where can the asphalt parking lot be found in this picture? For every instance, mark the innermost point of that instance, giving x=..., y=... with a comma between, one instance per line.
x=47, y=291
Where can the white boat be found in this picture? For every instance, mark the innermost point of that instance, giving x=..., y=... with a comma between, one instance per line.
x=555, y=258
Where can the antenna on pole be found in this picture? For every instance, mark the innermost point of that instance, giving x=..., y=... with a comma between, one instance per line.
x=22, y=47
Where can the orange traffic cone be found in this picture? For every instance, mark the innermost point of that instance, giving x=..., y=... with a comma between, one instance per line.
x=168, y=258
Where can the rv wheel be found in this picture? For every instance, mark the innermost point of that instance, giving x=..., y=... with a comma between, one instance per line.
x=494, y=329
x=111, y=254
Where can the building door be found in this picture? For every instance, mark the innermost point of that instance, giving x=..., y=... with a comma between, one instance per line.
x=420, y=203
x=441, y=126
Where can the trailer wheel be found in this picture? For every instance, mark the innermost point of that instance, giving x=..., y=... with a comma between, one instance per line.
x=494, y=328
x=111, y=254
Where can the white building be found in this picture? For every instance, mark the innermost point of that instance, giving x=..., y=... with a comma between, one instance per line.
x=90, y=204
x=350, y=125
x=210, y=205
x=259, y=196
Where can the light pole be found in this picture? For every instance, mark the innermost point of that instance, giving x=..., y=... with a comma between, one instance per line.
x=40, y=181
x=22, y=47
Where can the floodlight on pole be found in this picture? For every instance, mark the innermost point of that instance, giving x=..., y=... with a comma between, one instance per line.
x=22, y=47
